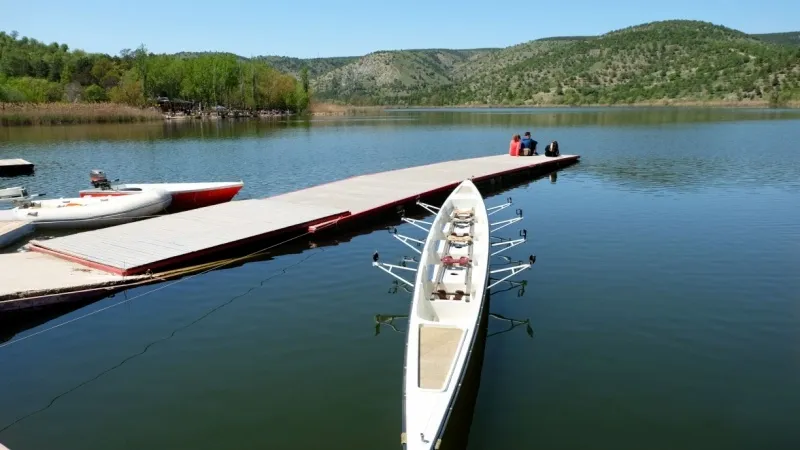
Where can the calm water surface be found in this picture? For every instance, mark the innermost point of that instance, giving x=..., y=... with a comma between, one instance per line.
x=665, y=301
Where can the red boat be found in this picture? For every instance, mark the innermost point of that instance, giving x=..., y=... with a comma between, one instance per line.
x=185, y=196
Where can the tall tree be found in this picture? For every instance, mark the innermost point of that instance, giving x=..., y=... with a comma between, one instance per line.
x=304, y=78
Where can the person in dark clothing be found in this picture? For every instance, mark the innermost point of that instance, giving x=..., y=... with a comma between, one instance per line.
x=552, y=149
x=528, y=145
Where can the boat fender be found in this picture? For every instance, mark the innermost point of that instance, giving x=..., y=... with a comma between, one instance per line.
x=403, y=439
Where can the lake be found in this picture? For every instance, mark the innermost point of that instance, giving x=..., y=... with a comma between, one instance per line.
x=664, y=304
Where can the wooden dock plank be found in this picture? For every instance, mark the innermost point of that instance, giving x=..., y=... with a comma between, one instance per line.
x=28, y=274
x=136, y=244
x=14, y=162
x=13, y=231
x=389, y=187
x=16, y=166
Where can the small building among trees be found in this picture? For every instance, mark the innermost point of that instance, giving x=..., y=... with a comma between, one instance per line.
x=175, y=105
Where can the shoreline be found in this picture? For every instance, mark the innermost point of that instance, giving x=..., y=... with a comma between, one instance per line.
x=45, y=114
x=338, y=110
x=48, y=114
x=660, y=103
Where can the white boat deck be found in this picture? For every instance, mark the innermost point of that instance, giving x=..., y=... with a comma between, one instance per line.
x=447, y=306
x=437, y=350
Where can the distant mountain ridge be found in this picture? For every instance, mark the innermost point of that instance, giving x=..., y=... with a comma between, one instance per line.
x=665, y=60
x=788, y=38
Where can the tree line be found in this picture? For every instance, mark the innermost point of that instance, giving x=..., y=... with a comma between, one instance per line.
x=35, y=72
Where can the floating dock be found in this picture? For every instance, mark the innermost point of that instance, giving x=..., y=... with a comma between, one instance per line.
x=33, y=279
x=148, y=245
x=13, y=231
x=11, y=167
x=176, y=240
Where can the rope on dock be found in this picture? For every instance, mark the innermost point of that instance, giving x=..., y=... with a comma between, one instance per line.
x=204, y=268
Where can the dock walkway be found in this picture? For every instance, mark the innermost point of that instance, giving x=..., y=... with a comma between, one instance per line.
x=12, y=231
x=137, y=247
x=17, y=166
x=148, y=245
x=32, y=279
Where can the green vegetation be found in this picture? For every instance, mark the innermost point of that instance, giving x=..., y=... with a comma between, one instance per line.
x=382, y=77
x=677, y=61
x=72, y=113
x=659, y=62
x=315, y=66
x=34, y=72
x=791, y=38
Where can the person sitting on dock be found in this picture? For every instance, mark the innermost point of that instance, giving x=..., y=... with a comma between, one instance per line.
x=528, y=145
x=515, y=146
x=552, y=149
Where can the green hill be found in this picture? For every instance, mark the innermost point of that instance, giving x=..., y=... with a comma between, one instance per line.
x=383, y=75
x=670, y=60
x=790, y=38
x=316, y=66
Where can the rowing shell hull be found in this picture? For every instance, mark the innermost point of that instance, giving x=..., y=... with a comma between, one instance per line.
x=185, y=196
x=442, y=333
x=89, y=213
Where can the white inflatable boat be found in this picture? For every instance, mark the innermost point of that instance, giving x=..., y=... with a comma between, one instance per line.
x=91, y=212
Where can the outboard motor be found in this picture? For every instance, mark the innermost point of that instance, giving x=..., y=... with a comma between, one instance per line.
x=98, y=179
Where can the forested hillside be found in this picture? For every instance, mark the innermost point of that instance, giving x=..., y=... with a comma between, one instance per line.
x=669, y=60
x=316, y=66
x=791, y=38
x=382, y=76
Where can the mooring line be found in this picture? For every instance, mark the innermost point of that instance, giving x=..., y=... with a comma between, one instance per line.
x=213, y=267
x=163, y=339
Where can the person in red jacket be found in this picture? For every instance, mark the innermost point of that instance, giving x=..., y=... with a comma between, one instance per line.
x=515, y=146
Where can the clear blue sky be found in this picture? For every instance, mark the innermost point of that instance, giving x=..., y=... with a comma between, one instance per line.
x=356, y=27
